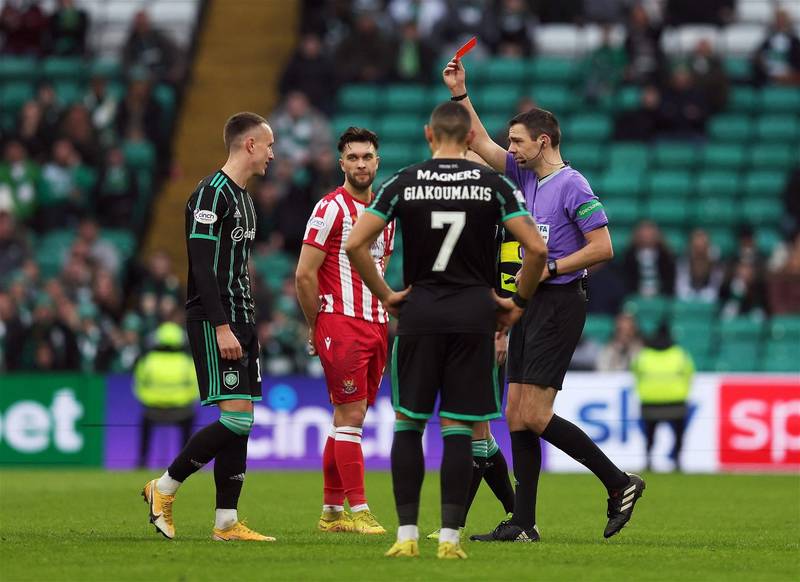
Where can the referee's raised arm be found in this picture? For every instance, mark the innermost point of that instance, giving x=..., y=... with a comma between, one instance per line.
x=455, y=78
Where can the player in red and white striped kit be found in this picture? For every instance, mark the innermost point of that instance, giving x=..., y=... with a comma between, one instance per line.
x=347, y=328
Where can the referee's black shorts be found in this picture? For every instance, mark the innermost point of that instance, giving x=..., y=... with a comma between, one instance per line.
x=220, y=379
x=459, y=368
x=542, y=342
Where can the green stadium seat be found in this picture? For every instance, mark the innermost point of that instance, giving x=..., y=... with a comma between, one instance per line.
x=764, y=185
x=621, y=182
x=782, y=357
x=496, y=124
x=716, y=183
x=694, y=312
x=109, y=69
x=740, y=329
x=780, y=99
x=718, y=156
x=768, y=238
x=360, y=98
x=724, y=239
x=64, y=68
x=774, y=157
x=69, y=92
x=439, y=94
x=716, y=211
x=584, y=156
x=651, y=309
x=676, y=239
x=559, y=99
x=553, y=70
x=737, y=357
x=629, y=156
x=15, y=69
x=668, y=184
x=675, y=155
x=341, y=122
x=778, y=128
x=400, y=127
x=598, y=327
x=785, y=328
x=139, y=155
x=668, y=211
x=622, y=210
x=164, y=95
x=497, y=99
x=762, y=212
x=694, y=336
x=397, y=155
x=14, y=95
x=628, y=98
x=731, y=127
x=406, y=99
x=589, y=127
x=507, y=70
x=621, y=237
x=122, y=239
x=738, y=69
x=742, y=99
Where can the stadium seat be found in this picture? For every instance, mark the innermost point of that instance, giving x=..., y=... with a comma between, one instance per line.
x=341, y=122
x=439, y=94
x=715, y=211
x=723, y=239
x=717, y=156
x=785, y=328
x=621, y=182
x=584, y=156
x=506, y=70
x=397, y=155
x=738, y=69
x=780, y=99
x=778, y=128
x=693, y=337
x=781, y=357
x=668, y=211
x=64, y=68
x=69, y=92
x=109, y=69
x=400, y=127
x=122, y=239
x=164, y=95
x=740, y=329
x=694, y=312
x=759, y=184
x=497, y=99
x=553, y=70
x=628, y=98
x=675, y=155
x=742, y=99
x=360, y=98
x=496, y=124
x=559, y=99
x=630, y=156
x=731, y=127
x=761, y=212
x=774, y=157
x=737, y=357
x=621, y=237
x=716, y=183
x=668, y=184
x=139, y=155
x=676, y=238
x=598, y=327
x=589, y=127
x=14, y=95
x=648, y=311
x=768, y=238
x=622, y=210
x=14, y=69
x=406, y=99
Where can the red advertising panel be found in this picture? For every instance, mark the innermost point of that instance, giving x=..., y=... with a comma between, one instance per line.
x=759, y=425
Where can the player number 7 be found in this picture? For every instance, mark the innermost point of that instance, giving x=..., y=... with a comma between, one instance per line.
x=456, y=221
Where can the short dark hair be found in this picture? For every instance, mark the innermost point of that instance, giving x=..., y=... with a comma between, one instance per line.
x=450, y=121
x=238, y=124
x=357, y=135
x=538, y=122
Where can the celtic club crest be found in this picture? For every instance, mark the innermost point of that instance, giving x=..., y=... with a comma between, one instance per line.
x=230, y=378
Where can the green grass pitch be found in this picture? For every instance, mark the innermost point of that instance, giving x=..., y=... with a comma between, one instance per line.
x=92, y=525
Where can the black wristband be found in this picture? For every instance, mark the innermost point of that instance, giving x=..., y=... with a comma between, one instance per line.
x=552, y=268
x=458, y=97
x=519, y=301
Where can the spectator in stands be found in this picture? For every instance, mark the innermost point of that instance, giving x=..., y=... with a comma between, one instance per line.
x=603, y=68
x=102, y=105
x=12, y=334
x=159, y=285
x=643, y=47
x=648, y=264
x=365, y=55
x=747, y=250
x=13, y=247
x=76, y=126
x=102, y=253
x=19, y=179
x=641, y=124
x=51, y=343
x=743, y=293
x=23, y=26
x=562, y=11
x=106, y=296
x=708, y=74
x=783, y=281
x=605, y=11
x=424, y=13
x=606, y=289
x=139, y=115
x=300, y=127
x=116, y=193
x=311, y=72
x=414, y=55
x=150, y=49
x=514, y=28
x=127, y=343
x=683, y=110
x=267, y=198
x=699, y=274
x=717, y=12
x=325, y=173
x=465, y=19
x=33, y=131
x=777, y=59
x=66, y=185
x=623, y=348
x=68, y=28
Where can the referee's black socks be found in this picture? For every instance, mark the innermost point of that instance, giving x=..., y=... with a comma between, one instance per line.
x=408, y=469
x=572, y=440
x=456, y=474
x=526, y=452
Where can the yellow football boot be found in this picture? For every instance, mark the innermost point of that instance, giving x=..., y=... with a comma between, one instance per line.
x=450, y=551
x=404, y=549
x=239, y=532
x=365, y=523
x=335, y=521
x=160, y=509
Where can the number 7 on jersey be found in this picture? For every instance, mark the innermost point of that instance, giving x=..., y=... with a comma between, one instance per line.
x=456, y=221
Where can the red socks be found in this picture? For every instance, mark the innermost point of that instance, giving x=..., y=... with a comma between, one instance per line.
x=350, y=463
x=332, y=483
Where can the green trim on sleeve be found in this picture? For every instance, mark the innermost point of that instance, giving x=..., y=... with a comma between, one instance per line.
x=515, y=214
x=377, y=213
x=205, y=236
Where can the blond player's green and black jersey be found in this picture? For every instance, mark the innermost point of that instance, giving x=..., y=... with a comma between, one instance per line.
x=220, y=229
x=448, y=211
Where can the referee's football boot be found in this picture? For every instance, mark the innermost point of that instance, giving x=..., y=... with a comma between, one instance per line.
x=508, y=532
x=335, y=522
x=404, y=549
x=239, y=532
x=621, y=504
x=160, y=509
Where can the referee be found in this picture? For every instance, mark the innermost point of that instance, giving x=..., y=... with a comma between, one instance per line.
x=573, y=224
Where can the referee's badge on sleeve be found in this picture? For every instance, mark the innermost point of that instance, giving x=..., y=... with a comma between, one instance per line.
x=544, y=230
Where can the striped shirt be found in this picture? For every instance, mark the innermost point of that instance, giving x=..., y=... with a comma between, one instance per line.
x=341, y=289
x=220, y=229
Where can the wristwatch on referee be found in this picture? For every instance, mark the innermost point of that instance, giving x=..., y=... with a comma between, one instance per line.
x=552, y=268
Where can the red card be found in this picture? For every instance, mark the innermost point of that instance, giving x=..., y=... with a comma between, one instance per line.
x=468, y=46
